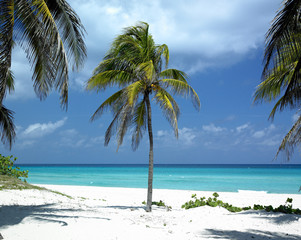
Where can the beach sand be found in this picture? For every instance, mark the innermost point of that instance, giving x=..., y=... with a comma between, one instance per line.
x=118, y=213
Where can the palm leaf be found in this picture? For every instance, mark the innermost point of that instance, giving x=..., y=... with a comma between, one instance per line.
x=6, y=43
x=292, y=139
x=7, y=126
x=182, y=88
x=139, y=122
x=169, y=107
x=106, y=104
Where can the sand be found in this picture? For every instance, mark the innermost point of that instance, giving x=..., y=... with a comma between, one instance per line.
x=118, y=213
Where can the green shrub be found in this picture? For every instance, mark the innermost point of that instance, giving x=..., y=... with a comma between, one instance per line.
x=7, y=167
x=214, y=202
x=159, y=204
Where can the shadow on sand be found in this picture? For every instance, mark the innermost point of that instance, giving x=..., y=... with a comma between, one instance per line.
x=14, y=214
x=276, y=218
x=251, y=234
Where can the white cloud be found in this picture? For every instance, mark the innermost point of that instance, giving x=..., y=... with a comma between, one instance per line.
x=212, y=128
x=40, y=129
x=242, y=127
x=265, y=132
x=167, y=138
x=259, y=134
x=295, y=117
x=187, y=136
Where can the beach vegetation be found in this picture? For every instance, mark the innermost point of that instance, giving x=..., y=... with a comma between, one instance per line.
x=139, y=68
x=7, y=167
x=159, y=204
x=52, y=36
x=281, y=76
x=214, y=202
x=8, y=182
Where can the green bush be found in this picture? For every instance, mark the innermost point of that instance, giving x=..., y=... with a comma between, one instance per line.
x=7, y=167
x=159, y=204
x=214, y=202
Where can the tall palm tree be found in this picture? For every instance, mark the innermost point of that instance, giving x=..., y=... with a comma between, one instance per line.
x=51, y=34
x=134, y=64
x=281, y=77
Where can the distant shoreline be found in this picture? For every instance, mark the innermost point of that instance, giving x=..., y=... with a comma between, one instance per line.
x=162, y=165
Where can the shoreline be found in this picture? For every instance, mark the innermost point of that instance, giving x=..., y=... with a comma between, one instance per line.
x=118, y=213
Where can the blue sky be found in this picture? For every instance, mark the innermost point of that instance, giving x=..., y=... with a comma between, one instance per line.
x=218, y=43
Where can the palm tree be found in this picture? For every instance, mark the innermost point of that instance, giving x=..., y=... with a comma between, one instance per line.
x=51, y=34
x=281, y=77
x=134, y=64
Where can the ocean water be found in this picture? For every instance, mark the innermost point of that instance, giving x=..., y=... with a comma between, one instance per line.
x=221, y=178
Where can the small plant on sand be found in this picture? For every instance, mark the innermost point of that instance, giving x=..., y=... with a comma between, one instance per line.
x=7, y=167
x=286, y=208
x=159, y=204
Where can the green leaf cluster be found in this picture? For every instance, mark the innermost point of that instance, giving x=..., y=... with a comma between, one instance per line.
x=7, y=167
x=214, y=202
x=159, y=204
x=286, y=208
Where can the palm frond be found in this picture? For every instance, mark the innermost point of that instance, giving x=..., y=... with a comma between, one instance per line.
x=7, y=126
x=139, y=122
x=291, y=140
x=7, y=22
x=72, y=30
x=164, y=51
x=182, y=88
x=284, y=26
x=169, y=107
x=133, y=91
x=45, y=49
x=107, y=104
x=174, y=74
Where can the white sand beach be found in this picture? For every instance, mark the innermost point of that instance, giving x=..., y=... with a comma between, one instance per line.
x=118, y=213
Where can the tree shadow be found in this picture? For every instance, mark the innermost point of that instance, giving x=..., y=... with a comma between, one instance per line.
x=123, y=207
x=14, y=214
x=251, y=234
x=275, y=217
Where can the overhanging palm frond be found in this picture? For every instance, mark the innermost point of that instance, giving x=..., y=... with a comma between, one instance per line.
x=72, y=30
x=7, y=22
x=291, y=140
x=285, y=25
x=7, y=126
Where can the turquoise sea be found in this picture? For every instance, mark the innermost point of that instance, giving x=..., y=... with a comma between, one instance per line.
x=227, y=178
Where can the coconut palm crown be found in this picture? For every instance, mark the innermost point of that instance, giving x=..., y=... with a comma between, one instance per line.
x=281, y=77
x=134, y=64
x=51, y=34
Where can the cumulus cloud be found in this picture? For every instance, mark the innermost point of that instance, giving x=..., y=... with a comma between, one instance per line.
x=37, y=130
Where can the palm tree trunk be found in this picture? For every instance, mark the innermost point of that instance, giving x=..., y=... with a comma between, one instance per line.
x=151, y=157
